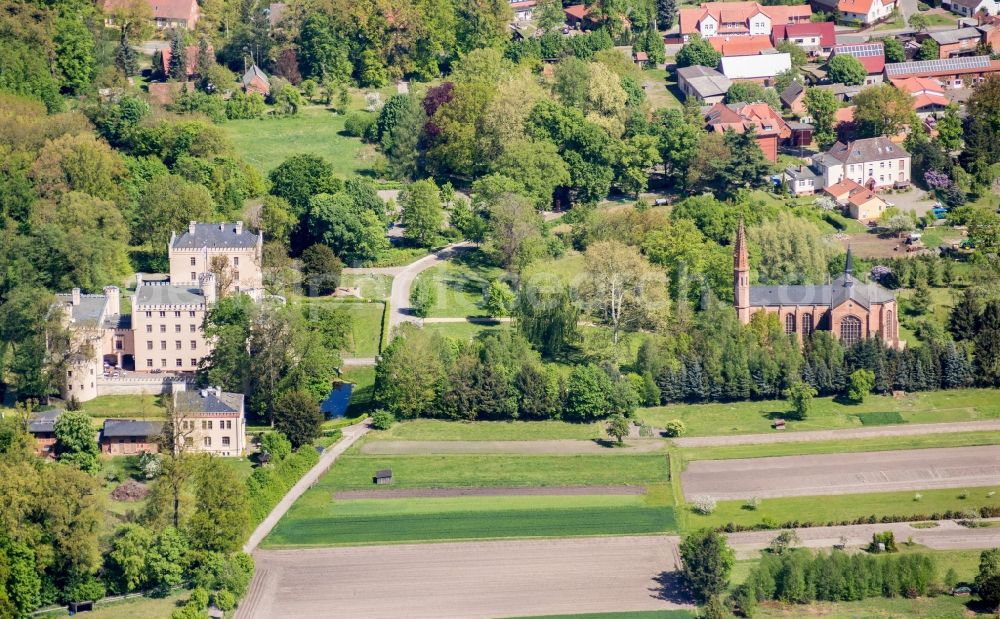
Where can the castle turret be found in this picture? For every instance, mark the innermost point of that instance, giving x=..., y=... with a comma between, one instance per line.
x=741, y=275
x=207, y=285
x=112, y=306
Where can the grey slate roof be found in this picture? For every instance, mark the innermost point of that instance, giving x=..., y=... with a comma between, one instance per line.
x=171, y=294
x=868, y=149
x=43, y=421
x=801, y=173
x=255, y=71
x=208, y=401
x=118, y=321
x=214, y=235
x=88, y=311
x=789, y=94
x=114, y=428
x=830, y=295
x=949, y=37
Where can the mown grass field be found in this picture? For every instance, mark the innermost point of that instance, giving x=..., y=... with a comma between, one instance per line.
x=372, y=286
x=366, y=324
x=826, y=414
x=315, y=520
x=364, y=388
x=134, y=607
x=886, y=443
x=820, y=510
x=437, y=430
x=125, y=406
x=460, y=284
x=314, y=130
x=464, y=331
x=354, y=472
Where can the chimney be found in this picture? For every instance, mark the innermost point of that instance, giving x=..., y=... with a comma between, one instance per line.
x=76, y=296
x=204, y=393
x=191, y=226
x=239, y=227
x=222, y=227
x=112, y=303
x=138, y=279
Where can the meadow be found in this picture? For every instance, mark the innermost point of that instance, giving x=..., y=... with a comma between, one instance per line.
x=826, y=414
x=460, y=284
x=438, y=430
x=314, y=130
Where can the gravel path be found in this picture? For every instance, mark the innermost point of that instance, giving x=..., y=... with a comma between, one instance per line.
x=351, y=434
x=833, y=435
x=879, y=471
x=555, y=447
x=423, y=493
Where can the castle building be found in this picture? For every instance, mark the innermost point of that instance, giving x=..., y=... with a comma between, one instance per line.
x=161, y=342
x=850, y=309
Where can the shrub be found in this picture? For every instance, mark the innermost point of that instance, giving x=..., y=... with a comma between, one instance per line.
x=382, y=419
x=674, y=428
x=356, y=124
x=752, y=503
x=224, y=600
x=266, y=486
x=703, y=505
x=886, y=539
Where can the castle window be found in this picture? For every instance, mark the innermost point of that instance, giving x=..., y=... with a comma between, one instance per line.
x=191, y=314
x=208, y=441
x=177, y=314
x=149, y=344
x=177, y=328
x=236, y=261
x=194, y=276
x=180, y=363
x=163, y=314
x=193, y=328
x=149, y=328
x=807, y=324
x=850, y=330
x=149, y=363
x=789, y=323
x=194, y=344
x=890, y=325
x=194, y=363
x=225, y=441
x=163, y=328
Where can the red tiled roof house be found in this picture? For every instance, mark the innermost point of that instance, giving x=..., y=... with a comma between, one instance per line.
x=767, y=124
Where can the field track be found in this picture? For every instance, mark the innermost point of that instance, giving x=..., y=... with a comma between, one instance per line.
x=529, y=448
x=879, y=471
x=421, y=493
x=915, y=429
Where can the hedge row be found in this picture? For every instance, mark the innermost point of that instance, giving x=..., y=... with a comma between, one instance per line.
x=989, y=511
x=268, y=484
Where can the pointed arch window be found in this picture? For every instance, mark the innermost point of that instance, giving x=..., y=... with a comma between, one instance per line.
x=789, y=323
x=850, y=330
x=807, y=324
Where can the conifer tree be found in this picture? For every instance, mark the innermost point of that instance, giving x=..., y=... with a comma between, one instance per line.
x=177, y=67
x=125, y=58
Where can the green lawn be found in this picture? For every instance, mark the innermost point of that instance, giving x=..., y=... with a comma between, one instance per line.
x=364, y=389
x=460, y=285
x=375, y=287
x=314, y=130
x=124, y=406
x=756, y=417
x=823, y=509
x=401, y=256
x=316, y=520
x=662, y=89
x=132, y=608
x=437, y=430
x=569, y=268
x=886, y=443
x=366, y=326
x=464, y=331
x=354, y=472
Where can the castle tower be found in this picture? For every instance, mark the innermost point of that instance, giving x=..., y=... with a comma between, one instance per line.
x=741, y=275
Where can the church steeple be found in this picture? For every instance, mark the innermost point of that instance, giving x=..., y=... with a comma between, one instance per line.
x=741, y=275
x=849, y=269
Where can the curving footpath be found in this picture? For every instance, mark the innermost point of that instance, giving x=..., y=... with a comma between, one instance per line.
x=351, y=434
x=833, y=435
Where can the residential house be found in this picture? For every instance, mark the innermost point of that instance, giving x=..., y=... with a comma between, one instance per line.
x=127, y=437
x=748, y=45
x=255, y=80
x=712, y=19
x=760, y=69
x=166, y=13
x=927, y=93
x=865, y=206
x=793, y=98
x=576, y=14
x=989, y=26
x=767, y=124
x=863, y=11
x=958, y=42
x=523, y=10
x=962, y=72
x=969, y=8
x=191, y=53
x=875, y=163
x=871, y=56
x=42, y=427
x=814, y=37
x=703, y=83
x=802, y=134
x=841, y=92
x=210, y=421
x=802, y=180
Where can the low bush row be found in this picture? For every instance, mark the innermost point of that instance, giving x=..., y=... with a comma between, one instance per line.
x=767, y=524
x=267, y=484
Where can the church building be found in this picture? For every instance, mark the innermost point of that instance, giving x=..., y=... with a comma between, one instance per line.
x=851, y=309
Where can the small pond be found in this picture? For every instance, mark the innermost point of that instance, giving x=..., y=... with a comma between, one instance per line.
x=335, y=404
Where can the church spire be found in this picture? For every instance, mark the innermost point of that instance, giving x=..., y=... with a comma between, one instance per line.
x=849, y=268
x=741, y=275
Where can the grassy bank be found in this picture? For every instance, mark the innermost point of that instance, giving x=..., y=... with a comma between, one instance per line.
x=437, y=430
x=826, y=414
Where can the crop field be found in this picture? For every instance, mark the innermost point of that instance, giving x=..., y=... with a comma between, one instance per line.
x=437, y=430
x=317, y=521
x=826, y=414
x=820, y=510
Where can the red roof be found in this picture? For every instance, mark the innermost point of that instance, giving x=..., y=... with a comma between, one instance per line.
x=917, y=85
x=723, y=12
x=190, y=56
x=871, y=55
x=641, y=56
x=846, y=186
x=578, y=11
x=740, y=116
x=741, y=46
x=924, y=100
x=855, y=6
x=824, y=30
x=843, y=115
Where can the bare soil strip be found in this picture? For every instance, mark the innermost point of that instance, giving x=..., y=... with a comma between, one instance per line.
x=550, y=447
x=833, y=435
x=467, y=580
x=879, y=471
x=423, y=493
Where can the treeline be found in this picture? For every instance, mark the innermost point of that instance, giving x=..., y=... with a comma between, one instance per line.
x=801, y=577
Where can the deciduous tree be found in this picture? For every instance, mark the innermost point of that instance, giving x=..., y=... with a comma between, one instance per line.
x=846, y=69
x=422, y=212
x=708, y=561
